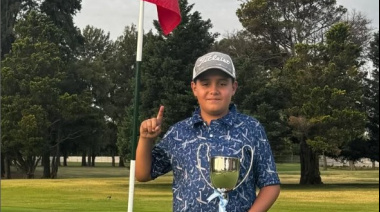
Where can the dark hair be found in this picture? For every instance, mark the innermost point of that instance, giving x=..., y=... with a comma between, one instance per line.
x=195, y=80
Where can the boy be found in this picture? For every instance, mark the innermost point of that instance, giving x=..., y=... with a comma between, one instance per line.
x=216, y=128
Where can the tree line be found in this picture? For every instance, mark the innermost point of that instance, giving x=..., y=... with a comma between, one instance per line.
x=301, y=65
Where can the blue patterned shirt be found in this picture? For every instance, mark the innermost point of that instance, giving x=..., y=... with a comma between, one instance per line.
x=184, y=150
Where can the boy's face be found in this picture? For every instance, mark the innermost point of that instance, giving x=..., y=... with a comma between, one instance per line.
x=214, y=90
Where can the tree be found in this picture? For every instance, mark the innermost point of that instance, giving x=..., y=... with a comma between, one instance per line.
x=95, y=66
x=360, y=30
x=110, y=138
x=61, y=13
x=121, y=94
x=372, y=101
x=283, y=24
x=325, y=84
x=35, y=98
x=10, y=10
x=30, y=75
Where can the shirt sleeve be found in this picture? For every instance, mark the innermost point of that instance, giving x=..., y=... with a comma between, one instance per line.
x=161, y=159
x=265, y=167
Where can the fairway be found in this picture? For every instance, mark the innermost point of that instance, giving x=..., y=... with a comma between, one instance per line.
x=105, y=188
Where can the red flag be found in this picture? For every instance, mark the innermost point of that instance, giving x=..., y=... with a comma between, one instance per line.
x=169, y=14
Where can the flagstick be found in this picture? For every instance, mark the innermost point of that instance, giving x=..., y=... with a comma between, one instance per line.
x=140, y=37
x=0, y=89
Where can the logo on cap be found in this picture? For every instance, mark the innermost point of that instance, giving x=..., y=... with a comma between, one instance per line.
x=214, y=60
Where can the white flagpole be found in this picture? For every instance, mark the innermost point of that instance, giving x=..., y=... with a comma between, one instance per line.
x=140, y=32
x=140, y=37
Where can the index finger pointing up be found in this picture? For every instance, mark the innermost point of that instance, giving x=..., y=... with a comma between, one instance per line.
x=160, y=115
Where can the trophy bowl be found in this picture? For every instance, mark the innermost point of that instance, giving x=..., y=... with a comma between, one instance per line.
x=224, y=172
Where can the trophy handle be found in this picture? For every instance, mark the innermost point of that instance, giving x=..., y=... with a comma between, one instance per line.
x=250, y=167
x=200, y=164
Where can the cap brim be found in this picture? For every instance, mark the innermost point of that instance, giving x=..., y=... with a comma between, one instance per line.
x=214, y=68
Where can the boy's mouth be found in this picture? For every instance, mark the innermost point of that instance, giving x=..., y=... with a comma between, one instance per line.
x=213, y=100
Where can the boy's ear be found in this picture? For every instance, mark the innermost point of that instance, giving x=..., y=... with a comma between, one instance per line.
x=194, y=87
x=234, y=86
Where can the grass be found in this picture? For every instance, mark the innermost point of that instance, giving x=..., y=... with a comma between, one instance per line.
x=87, y=189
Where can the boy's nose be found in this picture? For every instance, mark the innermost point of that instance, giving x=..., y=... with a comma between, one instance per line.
x=214, y=89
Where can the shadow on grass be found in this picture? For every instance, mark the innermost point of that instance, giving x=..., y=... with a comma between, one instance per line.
x=336, y=186
x=322, y=187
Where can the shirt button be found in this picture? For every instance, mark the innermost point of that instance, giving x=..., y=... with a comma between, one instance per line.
x=211, y=135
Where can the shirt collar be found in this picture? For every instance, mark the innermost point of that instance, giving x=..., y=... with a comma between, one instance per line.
x=227, y=119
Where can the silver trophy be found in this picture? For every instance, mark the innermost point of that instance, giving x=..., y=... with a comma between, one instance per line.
x=224, y=175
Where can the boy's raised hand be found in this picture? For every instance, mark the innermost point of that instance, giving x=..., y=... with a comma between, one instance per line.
x=151, y=128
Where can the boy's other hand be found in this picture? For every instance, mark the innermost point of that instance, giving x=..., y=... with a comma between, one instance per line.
x=151, y=128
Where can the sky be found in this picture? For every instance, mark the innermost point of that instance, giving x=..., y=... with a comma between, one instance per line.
x=114, y=15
